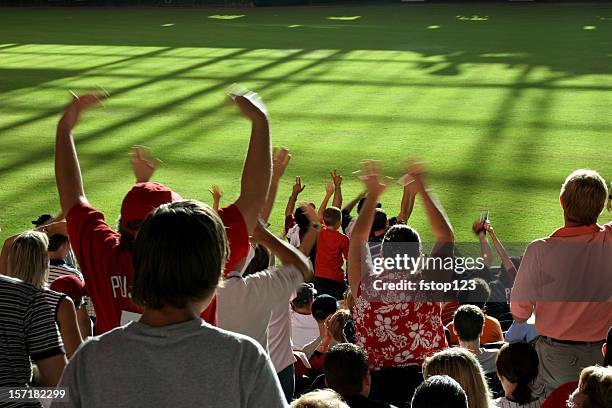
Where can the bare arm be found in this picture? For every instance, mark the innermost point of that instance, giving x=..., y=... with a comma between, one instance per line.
x=337, y=179
x=67, y=170
x=329, y=190
x=257, y=168
x=407, y=205
x=280, y=162
x=485, y=248
x=49, y=371
x=363, y=225
x=69, y=328
x=349, y=207
x=286, y=253
x=295, y=192
x=503, y=254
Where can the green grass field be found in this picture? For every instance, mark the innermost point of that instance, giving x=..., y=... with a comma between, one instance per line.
x=501, y=101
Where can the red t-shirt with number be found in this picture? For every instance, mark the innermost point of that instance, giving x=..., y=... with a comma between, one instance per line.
x=107, y=266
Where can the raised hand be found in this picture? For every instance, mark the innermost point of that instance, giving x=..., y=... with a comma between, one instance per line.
x=250, y=104
x=298, y=187
x=280, y=161
x=216, y=192
x=78, y=105
x=370, y=175
x=478, y=227
x=142, y=165
x=336, y=178
x=417, y=174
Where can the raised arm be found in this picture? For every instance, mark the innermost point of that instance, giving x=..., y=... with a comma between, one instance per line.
x=349, y=207
x=257, y=168
x=298, y=187
x=361, y=231
x=310, y=238
x=407, y=204
x=329, y=190
x=503, y=254
x=142, y=164
x=216, y=193
x=440, y=225
x=67, y=171
x=286, y=253
x=485, y=248
x=280, y=161
x=337, y=179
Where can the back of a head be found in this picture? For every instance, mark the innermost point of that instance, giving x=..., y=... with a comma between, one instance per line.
x=463, y=367
x=478, y=296
x=518, y=363
x=323, y=307
x=361, y=202
x=596, y=383
x=344, y=367
x=260, y=261
x=583, y=196
x=301, y=219
x=468, y=322
x=439, y=391
x=319, y=399
x=304, y=295
x=332, y=216
x=401, y=239
x=179, y=254
x=56, y=241
x=28, y=259
x=380, y=220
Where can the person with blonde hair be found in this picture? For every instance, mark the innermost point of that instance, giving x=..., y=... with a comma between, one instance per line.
x=462, y=366
x=319, y=399
x=28, y=260
x=594, y=389
x=564, y=280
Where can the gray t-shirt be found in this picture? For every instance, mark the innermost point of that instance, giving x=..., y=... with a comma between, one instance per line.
x=487, y=358
x=244, y=305
x=190, y=364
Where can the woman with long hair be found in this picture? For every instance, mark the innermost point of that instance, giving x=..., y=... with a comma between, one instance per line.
x=463, y=367
x=517, y=367
x=28, y=261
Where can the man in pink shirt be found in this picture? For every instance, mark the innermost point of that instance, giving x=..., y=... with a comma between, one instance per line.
x=565, y=279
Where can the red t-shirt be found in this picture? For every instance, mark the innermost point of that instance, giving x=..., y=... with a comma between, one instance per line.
x=107, y=266
x=558, y=398
x=332, y=250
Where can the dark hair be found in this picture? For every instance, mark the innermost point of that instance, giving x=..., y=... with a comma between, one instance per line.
x=608, y=355
x=42, y=219
x=439, y=391
x=305, y=294
x=468, y=322
x=56, y=241
x=477, y=297
x=380, y=221
x=301, y=219
x=260, y=262
x=518, y=363
x=179, y=253
x=361, y=202
x=126, y=238
x=331, y=216
x=401, y=239
x=323, y=307
x=344, y=367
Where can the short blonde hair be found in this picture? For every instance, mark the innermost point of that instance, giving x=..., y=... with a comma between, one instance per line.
x=463, y=367
x=583, y=196
x=320, y=399
x=596, y=383
x=28, y=259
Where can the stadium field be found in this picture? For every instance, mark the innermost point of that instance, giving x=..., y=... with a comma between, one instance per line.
x=501, y=101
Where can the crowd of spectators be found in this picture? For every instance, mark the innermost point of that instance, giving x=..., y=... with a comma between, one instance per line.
x=187, y=304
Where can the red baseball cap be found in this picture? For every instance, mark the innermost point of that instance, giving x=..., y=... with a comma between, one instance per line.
x=69, y=285
x=142, y=199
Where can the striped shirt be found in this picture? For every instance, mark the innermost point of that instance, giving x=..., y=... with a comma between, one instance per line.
x=57, y=268
x=506, y=403
x=28, y=332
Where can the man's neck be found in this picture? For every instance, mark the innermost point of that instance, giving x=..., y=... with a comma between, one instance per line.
x=167, y=316
x=473, y=346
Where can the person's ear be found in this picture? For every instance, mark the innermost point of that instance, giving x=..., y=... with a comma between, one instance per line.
x=367, y=379
x=482, y=331
x=603, y=349
x=455, y=331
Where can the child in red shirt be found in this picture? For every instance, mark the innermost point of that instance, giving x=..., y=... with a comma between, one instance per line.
x=332, y=251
